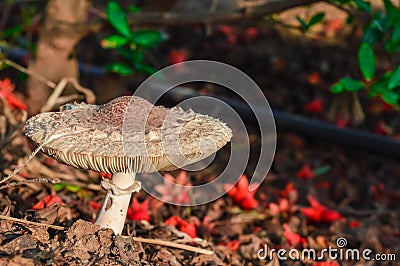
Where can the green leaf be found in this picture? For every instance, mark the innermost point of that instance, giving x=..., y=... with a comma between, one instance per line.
x=14, y=30
x=303, y=24
x=315, y=19
x=392, y=46
x=341, y=1
x=366, y=61
x=119, y=68
x=134, y=9
x=337, y=88
x=58, y=187
x=371, y=35
x=349, y=19
x=350, y=84
x=396, y=33
x=378, y=88
x=363, y=5
x=394, y=80
x=73, y=188
x=117, y=18
x=322, y=170
x=392, y=13
x=390, y=97
x=147, y=38
x=113, y=41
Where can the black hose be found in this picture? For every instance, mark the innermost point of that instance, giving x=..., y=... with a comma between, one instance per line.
x=348, y=137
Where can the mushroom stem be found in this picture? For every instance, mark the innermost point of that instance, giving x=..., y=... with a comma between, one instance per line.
x=115, y=206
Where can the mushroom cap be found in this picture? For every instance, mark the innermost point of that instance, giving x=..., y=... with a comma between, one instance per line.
x=127, y=134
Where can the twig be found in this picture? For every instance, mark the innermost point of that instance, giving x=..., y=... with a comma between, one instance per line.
x=89, y=95
x=18, y=67
x=28, y=181
x=31, y=223
x=173, y=245
x=55, y=95
x=69, y=98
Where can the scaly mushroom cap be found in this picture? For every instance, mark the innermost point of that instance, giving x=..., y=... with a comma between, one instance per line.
x=126, y=134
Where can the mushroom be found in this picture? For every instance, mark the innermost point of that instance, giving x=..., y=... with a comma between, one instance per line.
x=125, y=136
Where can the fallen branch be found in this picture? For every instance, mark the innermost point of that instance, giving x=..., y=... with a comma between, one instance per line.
x=29, y=181
x=7, y=218
x=173, y=245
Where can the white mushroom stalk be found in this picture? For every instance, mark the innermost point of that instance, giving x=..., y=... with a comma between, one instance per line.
x=116, y=203
x=95, y=137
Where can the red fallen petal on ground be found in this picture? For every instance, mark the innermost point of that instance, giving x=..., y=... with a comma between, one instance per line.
x=315, y=106
x=181, y=179
x=177, y=56
x=95, y=205
x=335, y=24
x=283, y=207
x=319, y=213
x=233, y=245
x=378, y=190
x=241, y=195
x=323, y=184
x=250, y=34
x=382, y=129
x=138, y=211
x=354, y=224
x=105, y=175
x=173, y=220
x=182, y=225
x=314, y=78
x=154, y=203
x=326, y=263
x=293, y=239
x=232, y=39
x=225, y=29
x=6, y=91
x=171, y=192
x=46, y=201
x=290, y=192
x=252, y=31
x=341, y=122
x=305, y=172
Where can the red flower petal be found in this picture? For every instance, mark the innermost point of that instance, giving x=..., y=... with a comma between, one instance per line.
x=95, y=205
x=233, y=245
x=105, y=175
x=341, y=122
x=177, y=56
x=354, y=224
x=382, y=129
x=183, y=226
x=305, y=172
x=326, y=263
x=290, y=192
x=319, y=213
x=314, y=78
x=6, y=89
x=315, y=106
x=46, y=201
x=138, y=211
x=293, y=239
x=241, y=195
